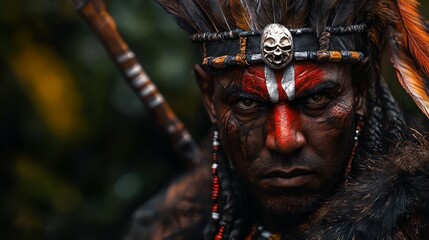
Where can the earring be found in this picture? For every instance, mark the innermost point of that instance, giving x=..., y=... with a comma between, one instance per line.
x=348, y=169
x=216, y=186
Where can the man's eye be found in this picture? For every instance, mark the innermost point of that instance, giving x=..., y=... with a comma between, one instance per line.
x=317, y=101
x=247, y=104
x=318, y=98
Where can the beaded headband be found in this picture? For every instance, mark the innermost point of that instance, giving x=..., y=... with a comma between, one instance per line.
x=277, y=46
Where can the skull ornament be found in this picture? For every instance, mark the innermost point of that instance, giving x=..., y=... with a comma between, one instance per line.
x=276, y=46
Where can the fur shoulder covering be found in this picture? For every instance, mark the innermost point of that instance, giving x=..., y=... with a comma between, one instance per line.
x=179, y=210
x=388, y=200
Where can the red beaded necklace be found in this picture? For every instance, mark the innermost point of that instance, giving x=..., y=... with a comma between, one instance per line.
x=216, y=187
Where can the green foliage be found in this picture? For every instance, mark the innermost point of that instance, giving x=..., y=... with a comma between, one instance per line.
x=78, y=151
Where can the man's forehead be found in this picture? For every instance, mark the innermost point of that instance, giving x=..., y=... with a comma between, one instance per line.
x=285, y=84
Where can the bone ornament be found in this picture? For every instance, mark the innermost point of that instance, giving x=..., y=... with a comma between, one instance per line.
x=276, y=46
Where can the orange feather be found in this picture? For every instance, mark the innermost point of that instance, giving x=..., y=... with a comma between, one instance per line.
x=414, y=32
x=411, y=79
x=241, y=17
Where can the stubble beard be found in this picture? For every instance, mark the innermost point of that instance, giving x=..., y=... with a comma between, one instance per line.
x=287, y=206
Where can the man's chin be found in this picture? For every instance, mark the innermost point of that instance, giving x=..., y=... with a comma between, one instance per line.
x=287, y=205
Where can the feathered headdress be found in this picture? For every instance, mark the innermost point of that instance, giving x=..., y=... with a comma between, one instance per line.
x=322, y=30
x=409, y=48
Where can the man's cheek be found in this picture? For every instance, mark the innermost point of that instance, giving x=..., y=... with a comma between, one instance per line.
x=228, y=128
x=340, y=115
x=234, y=136
x=241, y=141
x=340, y=121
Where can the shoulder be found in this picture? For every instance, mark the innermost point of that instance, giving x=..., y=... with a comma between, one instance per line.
x=177, y=212
x=388, y=200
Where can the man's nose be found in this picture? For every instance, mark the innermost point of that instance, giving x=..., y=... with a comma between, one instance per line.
x=284, y=130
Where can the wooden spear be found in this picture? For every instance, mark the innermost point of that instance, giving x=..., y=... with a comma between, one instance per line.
x=101, y=22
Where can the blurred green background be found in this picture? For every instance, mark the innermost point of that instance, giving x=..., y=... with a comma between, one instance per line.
x=78, y=152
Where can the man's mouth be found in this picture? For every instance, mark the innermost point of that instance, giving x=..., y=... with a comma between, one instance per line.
x=286, y=178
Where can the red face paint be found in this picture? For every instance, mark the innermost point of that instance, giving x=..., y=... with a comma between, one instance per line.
x=282, y=129
x=307, y=76
x=253, y=82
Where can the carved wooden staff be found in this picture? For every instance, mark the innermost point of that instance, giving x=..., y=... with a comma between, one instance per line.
x=95, y=14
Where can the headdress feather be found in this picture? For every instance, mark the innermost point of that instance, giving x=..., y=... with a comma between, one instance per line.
x=319, y=15
x=300, y=9
x=193, y=15
x=250, y=7
x=285, y=12
x=221, y=11
x=240, y=15
x=184, y=20
x=410, y=52
x=204, y=12
x=266, y=13
x=409, y=49
x=411, y=79
x=414, y=32
x=343, y=13
x=378, y=14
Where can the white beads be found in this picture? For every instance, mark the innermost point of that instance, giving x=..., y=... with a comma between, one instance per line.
x=215, y=216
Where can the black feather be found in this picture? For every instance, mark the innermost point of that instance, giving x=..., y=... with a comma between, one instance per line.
x=251, y=7
x=358, y=15
x=190, y=15
x=276, y=10
x=217, y=15
x=343, y=13
x=199, y=16
x=206, y=13
x=285, y=13
x=222, y=14
x=320, y=12
x=264, y=11
x=300, y=13
x=174, y=8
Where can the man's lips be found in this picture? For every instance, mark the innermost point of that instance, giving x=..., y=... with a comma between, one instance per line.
x=286, y=178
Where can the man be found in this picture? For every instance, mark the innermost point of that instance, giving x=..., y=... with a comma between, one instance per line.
x=308, y=142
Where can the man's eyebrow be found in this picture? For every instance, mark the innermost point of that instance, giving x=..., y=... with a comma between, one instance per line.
x=324, y=86
x=236, y=91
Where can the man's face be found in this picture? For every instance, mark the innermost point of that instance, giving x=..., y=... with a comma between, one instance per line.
x=288, y=147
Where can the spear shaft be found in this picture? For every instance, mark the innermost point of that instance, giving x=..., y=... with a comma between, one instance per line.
x=95, y=14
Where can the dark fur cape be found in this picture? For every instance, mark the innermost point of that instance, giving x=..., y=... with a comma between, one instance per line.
x=388, y=198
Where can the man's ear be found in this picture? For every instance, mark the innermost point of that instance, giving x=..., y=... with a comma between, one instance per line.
x=205, y=82
x=360, y=90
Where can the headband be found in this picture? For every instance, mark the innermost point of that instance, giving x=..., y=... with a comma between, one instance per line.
x=277, y=46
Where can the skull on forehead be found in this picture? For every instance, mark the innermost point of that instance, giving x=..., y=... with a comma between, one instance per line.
x=276, y=46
